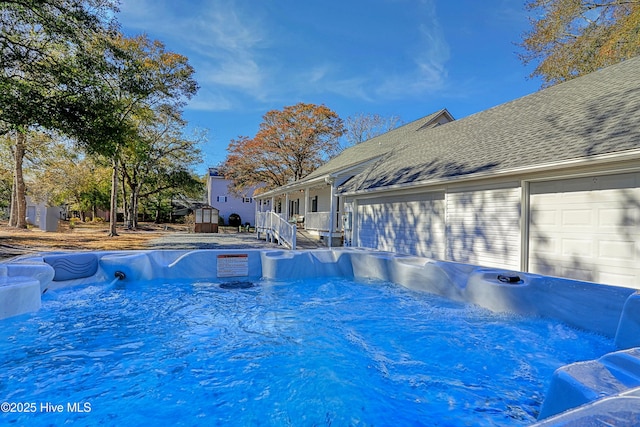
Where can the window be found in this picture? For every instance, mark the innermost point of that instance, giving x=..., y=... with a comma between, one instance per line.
x=314, y=204
x=247, y=200
x=294, y=207
x=222, y=199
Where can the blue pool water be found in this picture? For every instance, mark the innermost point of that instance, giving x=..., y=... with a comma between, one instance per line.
x=314, y=352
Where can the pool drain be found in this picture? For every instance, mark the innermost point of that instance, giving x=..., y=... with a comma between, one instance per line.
x=237, y=285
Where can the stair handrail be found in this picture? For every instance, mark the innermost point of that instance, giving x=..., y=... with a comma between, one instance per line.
x=277, y=226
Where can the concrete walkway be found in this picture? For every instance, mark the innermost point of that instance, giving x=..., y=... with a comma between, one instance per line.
x=220, y=241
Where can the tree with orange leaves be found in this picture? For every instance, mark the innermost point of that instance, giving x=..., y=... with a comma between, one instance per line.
x=289, y=145
x=570, y=38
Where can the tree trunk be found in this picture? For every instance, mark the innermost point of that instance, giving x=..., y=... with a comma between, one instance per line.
x=126, y=207
x=113, y=214
x=130, y=183
x=18, y=217
x=134, y=206
x=134, y=197
x=13, y=213
x=158, y=206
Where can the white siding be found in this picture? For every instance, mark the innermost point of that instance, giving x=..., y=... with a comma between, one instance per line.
x=483, y=226
x=410, y=224
x=222, y=199
x=587, y=229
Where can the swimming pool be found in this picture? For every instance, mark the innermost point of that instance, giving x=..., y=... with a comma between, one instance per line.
x=335, y=343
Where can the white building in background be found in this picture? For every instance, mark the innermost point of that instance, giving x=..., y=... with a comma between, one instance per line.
x=220, y=197
x=43, y=216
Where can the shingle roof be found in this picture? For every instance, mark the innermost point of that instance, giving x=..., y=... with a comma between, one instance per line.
x=376, y=147
x=588, y=116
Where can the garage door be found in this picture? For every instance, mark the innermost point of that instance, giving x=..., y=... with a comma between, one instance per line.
x=412, y=224
x=483, y=226
x=587, y=229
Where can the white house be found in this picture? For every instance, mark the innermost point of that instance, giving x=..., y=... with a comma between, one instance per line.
x=219, y=197
x=314, y=200
x=548, y=183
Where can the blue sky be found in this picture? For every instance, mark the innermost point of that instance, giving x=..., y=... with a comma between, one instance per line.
x=406, y=58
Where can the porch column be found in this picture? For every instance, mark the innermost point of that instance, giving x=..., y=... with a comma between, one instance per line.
x=332, y=210
x=287, y=211
x=258, y=211
x=306, y=202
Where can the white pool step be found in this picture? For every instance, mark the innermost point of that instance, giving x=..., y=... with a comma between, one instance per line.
x=583, y=382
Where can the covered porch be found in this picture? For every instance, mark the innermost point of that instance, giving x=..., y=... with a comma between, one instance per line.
x=312, y=206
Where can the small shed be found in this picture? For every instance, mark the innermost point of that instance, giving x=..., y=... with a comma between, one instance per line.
x=206, y=220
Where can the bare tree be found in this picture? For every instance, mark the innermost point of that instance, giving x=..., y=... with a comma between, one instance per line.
x=361, y=127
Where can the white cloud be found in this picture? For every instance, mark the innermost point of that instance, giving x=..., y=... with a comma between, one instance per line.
x=208, y=100
x=237, y=73
x=221, y=42
x=354, y=88
x=412, y=66
x=430, y=55
x=317, y=74
x=230, y=46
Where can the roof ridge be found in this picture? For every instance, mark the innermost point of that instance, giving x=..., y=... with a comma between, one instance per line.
x=368, y=150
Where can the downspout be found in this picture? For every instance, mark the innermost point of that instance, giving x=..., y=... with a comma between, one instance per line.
x=525, y=218
x=354, y=221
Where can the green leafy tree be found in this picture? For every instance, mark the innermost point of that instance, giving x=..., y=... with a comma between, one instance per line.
x=66, y=68
x=158, y=160
x=45, y=66
x=142, y=76
x=569, y=38
x=176, y=185
x=69, y=178
x=44, y=73
x=289, y=145
x=6, y=176
x=31, y=150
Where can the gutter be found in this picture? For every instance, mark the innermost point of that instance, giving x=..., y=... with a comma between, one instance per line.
x=327, y=178
x=602, y=159
x=292, y=186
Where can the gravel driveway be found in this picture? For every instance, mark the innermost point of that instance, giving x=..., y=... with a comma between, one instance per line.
x=210, y=241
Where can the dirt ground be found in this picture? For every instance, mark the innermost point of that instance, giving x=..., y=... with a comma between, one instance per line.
x=83, y=236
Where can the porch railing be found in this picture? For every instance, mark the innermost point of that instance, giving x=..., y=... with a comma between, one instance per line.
x=320, y=221
x=317, y=221
x=277, y=228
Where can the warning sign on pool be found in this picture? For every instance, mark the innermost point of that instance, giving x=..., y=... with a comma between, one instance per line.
x=233, y=265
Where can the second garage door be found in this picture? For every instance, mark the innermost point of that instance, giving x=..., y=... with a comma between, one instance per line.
x=587, y=229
